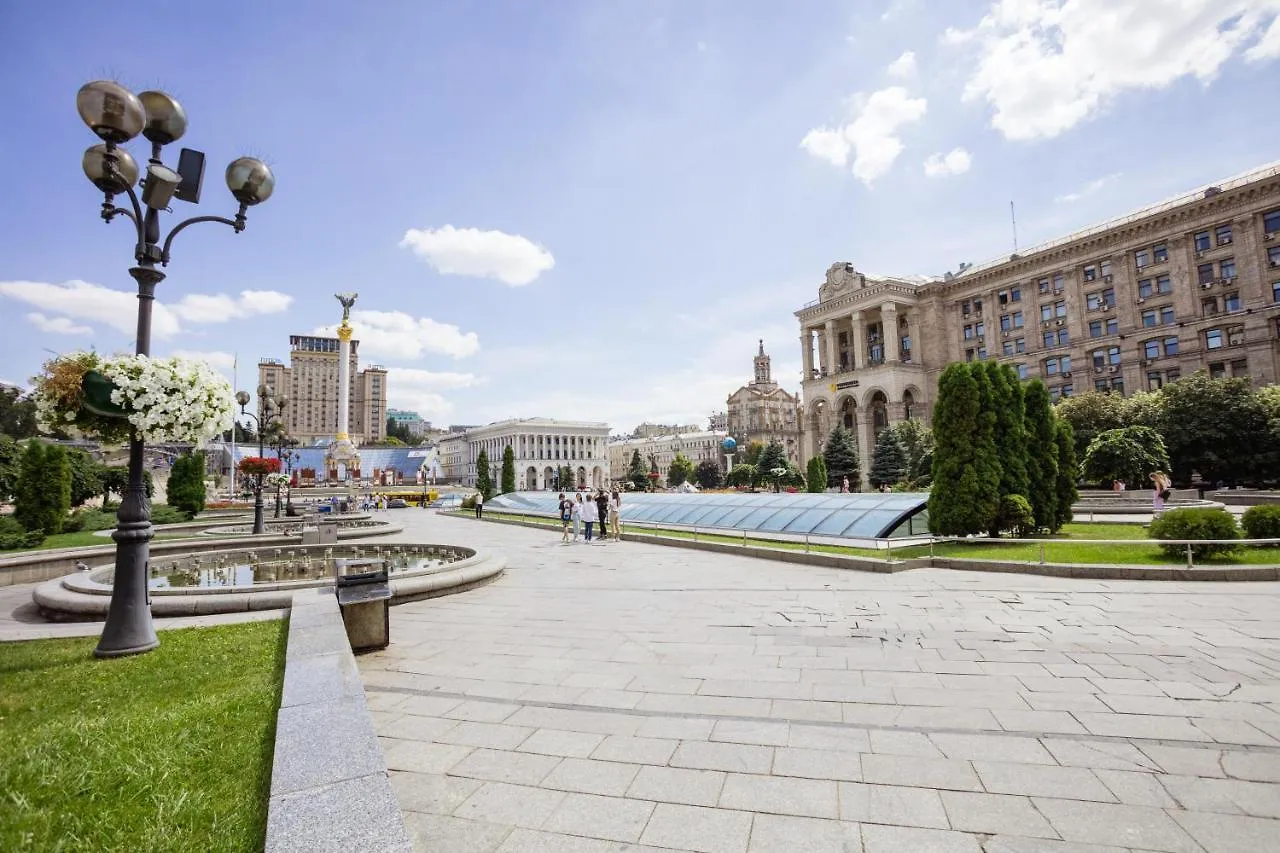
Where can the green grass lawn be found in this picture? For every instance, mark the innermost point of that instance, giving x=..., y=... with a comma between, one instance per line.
x=82, y=538
x=170, y=750
x=1143, y=552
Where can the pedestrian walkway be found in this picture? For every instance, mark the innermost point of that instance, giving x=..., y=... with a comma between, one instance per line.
x=633, y=697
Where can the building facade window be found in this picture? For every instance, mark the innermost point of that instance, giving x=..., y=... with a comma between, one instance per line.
x=1100, y=298
x=1203, y=241
x=1204, y=273
x=1098, y=328
x=1227, y=268
x=1158, y=347
x=1162, y=316
x=1273, y=257
x=1057, y=366
x=1022, y=370
x=1056, y=338
x=1271, y=222
x=1231, y=302
x=1213, y=339
x=1223, y=235
x=1160, y=253
x=1151, y=286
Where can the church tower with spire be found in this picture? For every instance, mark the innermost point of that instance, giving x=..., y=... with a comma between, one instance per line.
x=763, y=369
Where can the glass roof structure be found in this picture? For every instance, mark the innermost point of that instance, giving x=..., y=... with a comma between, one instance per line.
x=860, y=516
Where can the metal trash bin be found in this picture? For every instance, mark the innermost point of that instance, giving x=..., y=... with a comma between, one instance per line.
x=364, y=598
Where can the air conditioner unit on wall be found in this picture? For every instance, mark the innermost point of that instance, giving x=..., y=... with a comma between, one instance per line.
x=1139, y=301
x=1059, y=322
x=1206, y=285
x=1115, y=368
x=1066, y=375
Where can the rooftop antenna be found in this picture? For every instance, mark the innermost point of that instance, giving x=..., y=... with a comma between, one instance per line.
x=1013, y=217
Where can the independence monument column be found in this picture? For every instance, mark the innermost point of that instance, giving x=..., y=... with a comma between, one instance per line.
x=343, y=450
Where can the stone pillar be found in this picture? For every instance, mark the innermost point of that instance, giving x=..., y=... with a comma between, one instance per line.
x=889, y=329
x=806, y=352
x=831, y=347
x=344, y=381
x=858, y=343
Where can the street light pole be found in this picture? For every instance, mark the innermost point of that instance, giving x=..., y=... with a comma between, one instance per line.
x=117, y=115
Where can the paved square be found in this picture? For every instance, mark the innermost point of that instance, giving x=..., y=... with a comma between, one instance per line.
x=642, y=698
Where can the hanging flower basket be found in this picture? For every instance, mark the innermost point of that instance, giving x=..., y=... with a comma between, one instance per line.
x=258, y=466
x=164, y=399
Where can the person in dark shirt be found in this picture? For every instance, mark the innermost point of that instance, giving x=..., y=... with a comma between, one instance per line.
x=602, y=510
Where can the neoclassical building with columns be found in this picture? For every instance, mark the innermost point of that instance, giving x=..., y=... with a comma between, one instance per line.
x=1130, y=304
x=542, y=446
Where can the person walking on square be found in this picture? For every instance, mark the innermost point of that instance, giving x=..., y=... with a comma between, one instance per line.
x=479, y=504
x=566, y=516
x=1160, y=484
x=844, y=486
x=602, y=512
x=615, y=509
x=576, y=510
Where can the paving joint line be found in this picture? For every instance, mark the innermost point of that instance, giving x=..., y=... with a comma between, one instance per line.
x=925, y=730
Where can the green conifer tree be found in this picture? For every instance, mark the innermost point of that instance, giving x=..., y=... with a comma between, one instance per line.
x=1042, y=456
x=773, y=459
x=888, y=460
x=484, y=484
x=966, y=475
x=1010, y=428
x=817, y=478
x=1068, y=474
x=186, y=490
x=508, y=470
x=841, y=458
x=636, y=472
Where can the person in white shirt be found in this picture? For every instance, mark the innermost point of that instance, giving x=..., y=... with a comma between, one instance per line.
x=615, y=508
x=577, y=515
x=479, y=504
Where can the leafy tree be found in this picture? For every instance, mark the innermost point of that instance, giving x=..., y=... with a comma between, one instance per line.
x=400, y=431
x=888, y=460
x=484, y=482
x=86, y=476
x=44, y=488
x=817, y=476
x=1213, y=426
x=742, y=475
x=186, y=491
x=773, y=459
x=1042, y=456
x=1090, y=413
x=1010, y=430
x=636, y=473
x=567, y=481
x=115, y=479
x=1128, y=454
x=751, y=455
x=841, y=457
x=680, y=470
x=1068, y=474
x=17, y=413
x=10, y=466
x=708, y=475
x=508, y=470
x=917, y=441
x=966, y=474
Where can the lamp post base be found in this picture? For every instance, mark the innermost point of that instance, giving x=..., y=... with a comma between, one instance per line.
x=129, y=629
x=259, y=522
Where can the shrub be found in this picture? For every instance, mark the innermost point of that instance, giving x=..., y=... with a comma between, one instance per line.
x=186, y=491
x=1262, y=522
x=165, y=515
x=1015, y=516
x=1196, y=523
x=86, y=518
x=469, y=502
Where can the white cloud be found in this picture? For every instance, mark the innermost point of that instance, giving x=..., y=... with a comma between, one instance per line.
x=1046, y=65
x=896, y=8
x=954, y=162
x=92, y=302
x=220, y=307
x=419, y=390
x=1088, y=189
x=872, y=135
x=904, y=66
x=57, y=325
x=223, y=361
x=702, y=47
x=397, y=335
x=510, y=258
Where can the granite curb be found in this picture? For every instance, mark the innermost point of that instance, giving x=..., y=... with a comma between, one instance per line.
x=330, y=790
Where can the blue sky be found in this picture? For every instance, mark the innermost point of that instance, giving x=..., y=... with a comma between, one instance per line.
x=591, y=209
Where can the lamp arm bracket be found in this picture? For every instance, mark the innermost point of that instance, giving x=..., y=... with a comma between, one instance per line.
x=237, y=225
x=110, y=211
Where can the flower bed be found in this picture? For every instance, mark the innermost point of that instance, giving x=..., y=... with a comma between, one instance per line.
x=258, y=466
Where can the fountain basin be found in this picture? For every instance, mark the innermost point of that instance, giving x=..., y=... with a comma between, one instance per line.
x=231, y=581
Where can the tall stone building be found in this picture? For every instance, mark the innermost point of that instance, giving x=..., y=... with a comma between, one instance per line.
x=762, y=411
x=311, y=382
x=696, y=445
x=1127, y=305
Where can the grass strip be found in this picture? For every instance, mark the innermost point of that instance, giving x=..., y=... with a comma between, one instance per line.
x=170, y=750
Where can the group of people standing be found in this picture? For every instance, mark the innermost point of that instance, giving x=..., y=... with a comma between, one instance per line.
x=584, y=511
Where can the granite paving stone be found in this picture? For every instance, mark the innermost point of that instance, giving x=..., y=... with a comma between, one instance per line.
x=634, y=697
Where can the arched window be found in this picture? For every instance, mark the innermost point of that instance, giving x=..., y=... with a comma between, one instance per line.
x=908, y=405
x=849, y=413
x=879, y=412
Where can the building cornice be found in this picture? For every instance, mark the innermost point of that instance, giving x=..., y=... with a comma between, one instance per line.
x=871, y=293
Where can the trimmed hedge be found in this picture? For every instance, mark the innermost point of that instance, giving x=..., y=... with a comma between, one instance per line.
x=1196, y=523
x=1261, y=522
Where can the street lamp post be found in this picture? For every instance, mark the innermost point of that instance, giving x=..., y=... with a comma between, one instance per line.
x=268, y=406
x=117, y=115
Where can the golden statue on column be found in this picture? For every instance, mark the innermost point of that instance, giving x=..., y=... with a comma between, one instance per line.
x=342, y=451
